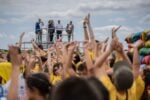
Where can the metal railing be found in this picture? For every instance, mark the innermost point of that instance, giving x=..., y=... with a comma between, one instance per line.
x=45, y=44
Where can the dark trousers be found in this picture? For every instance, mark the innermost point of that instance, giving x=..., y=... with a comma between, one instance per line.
x=39, y=37
x=59, y=34
x=69, y=35
x=50, y=37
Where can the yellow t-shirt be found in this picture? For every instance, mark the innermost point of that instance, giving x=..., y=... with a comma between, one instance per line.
x=55, y=79
x=36, y=69
x=134, y=93
x=5, y=71
x=92, y=55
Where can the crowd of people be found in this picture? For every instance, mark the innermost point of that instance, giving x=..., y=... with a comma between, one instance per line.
x=102, y=71
x=52, y=29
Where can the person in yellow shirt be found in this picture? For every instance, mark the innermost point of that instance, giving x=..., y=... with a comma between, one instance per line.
x=126, y=82
x=124, y=86
x=36, y=69
x=5, y=71
x=39, y=64
x=55, y=75
x=76, y=61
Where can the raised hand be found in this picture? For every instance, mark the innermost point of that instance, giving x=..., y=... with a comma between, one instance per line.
x=20, y=40
x=16, y=61
x=22, y=34
x=52, y=48
x=112, y=45
x=88, y=18
x=85, y=21
x=72, y=46
x=58, y=45
x=106, y=40
x=114, y=30
x=15, y=56
x=119, y=47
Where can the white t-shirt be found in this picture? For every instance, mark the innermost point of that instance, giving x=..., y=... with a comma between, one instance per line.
x=21, y=91
x=59, y=27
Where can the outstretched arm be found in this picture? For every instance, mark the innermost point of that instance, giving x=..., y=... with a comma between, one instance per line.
x=86, y=37
x=35, y=46
x=120, y=54
x=136, y=58
x=49, y=60
x=58, y=46
x=16, y=61
x=68, y=53
x=99, y=69
x=114, y=30
x=27, y=63
x=20, y=40
x=88, y=59
x=109, y=48
x=103, y=57
x=92, y=37
x=37, y=50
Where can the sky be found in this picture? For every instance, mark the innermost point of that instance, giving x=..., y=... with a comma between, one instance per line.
x=17, y=16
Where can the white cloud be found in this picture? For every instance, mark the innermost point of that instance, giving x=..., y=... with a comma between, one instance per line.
x=101, y=33
x=117, y=20
x=146, y=19
x=109, y=27
x=71, y=13
x=11, y=37
x=105, y=31
x=31, y=35
x=27, y=9
x=112, y=5
x=20, y=11
x=102, y=5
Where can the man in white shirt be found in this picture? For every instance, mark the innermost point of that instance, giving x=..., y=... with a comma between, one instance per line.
x=59, y=29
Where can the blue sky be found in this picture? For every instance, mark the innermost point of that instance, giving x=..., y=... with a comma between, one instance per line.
x=18, y=16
